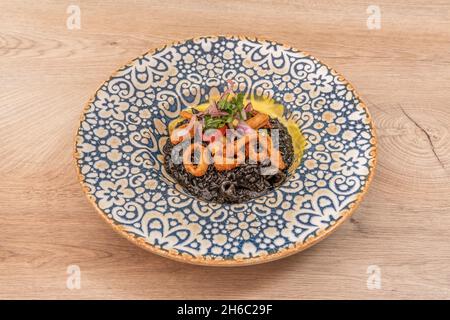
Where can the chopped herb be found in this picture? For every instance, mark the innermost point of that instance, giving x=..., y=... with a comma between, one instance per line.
x=216, y=122
x=232, y=106
x=238, y=101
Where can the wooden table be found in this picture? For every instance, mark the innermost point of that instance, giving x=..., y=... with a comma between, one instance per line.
x=47, y=73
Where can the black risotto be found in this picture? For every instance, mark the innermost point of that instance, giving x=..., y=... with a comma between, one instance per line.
x=238, y=185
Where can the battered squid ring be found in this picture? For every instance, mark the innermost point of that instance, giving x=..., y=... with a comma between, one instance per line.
x=275, y=155
x=175, y=136
x=267, y=152
x=221, y=161
x=255, y=155
x=199, y=169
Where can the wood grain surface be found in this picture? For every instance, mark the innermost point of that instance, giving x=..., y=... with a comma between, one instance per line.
x=48, y=72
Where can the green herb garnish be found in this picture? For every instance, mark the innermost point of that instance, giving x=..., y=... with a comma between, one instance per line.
x=233, y=107
x=217, y=122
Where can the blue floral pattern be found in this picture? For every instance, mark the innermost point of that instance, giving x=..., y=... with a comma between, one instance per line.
x=123, y=128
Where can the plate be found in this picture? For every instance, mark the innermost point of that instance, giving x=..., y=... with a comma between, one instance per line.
x=123, y=128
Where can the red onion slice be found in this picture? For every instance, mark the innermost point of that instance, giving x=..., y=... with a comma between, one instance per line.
x=229, y=89
x=214, y=111
x=244, y=128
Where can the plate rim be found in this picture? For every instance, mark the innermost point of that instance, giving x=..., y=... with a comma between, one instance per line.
x=205, y=261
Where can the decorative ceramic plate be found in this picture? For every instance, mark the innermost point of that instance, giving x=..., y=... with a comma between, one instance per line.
x=124, y=126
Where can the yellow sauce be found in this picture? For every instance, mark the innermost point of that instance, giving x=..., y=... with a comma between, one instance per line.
x=276, y=110
x=272, y=109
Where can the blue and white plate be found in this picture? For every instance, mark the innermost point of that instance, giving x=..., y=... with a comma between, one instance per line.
x=124, y=126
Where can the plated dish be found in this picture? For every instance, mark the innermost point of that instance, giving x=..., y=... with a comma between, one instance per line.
x=225, y=150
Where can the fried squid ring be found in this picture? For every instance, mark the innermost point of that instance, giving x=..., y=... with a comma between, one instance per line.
x=260, y=148
x=179, y=134
x=222, y=161
x=199, y=169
